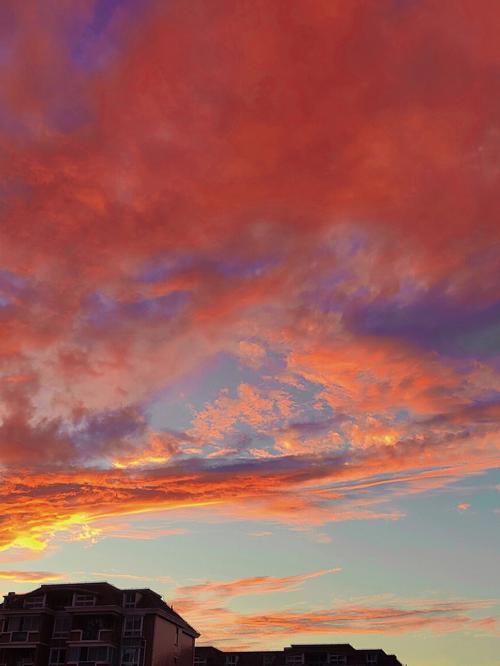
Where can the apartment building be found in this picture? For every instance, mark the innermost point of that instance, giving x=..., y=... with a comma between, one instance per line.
x=211, y=656
x=297, y=655
x=92, y=624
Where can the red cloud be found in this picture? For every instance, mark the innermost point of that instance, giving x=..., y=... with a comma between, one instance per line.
x=242, y=171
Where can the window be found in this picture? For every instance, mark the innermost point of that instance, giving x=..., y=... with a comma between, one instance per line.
x=314, y=658
x=177, y=635
x=13, y=623
x=337, y=659
x=24, y=660
x=133, y=625
x=35, y=602
x=57, y=656
x=84, y=600
x=100, y=654
x=199, y=661
x=371, y=658
x=62, y=625
x=131, y=656
x=130, y=599
x=23, y=623
x=295, y=659
x=232, y=659
x=30, y=623
x=92, y=625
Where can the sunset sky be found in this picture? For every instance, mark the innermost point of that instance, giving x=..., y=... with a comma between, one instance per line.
x=250, y=314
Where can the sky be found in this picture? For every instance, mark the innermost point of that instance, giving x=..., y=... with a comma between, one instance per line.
x=250, y=314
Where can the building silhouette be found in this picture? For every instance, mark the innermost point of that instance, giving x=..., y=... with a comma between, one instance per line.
x=92, y=624
x=98, y=624
x=296, y=655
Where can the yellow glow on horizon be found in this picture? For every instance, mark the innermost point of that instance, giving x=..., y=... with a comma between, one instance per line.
x=37, y=538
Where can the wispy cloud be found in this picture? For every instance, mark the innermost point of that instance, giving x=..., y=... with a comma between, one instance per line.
x=30, y=576
x=251, y=585
x=401, y=617
x=209, y=604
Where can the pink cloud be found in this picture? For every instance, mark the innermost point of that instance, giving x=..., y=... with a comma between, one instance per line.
x=161, y=209
x=368, y=616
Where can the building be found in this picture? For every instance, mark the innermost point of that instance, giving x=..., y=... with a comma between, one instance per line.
x=90, y=624
x=211, y=656
x=297, y=655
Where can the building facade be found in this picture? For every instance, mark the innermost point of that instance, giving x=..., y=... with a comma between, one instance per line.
x=297, y=655
x=92, y=624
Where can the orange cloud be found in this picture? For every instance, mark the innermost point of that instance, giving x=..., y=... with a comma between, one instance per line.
x=252, y=407
x=37, y=506
x=401, y=616
x=164, y=205
x=377, y=375
x=160, y=449
x=252, y=585
x=30, y=576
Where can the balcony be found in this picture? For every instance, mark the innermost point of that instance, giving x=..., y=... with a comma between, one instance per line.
x=90, y=656
x=83, y=601
x=34, y=602
x=62, y=633
x=88, y=663
x=19, y=636
x=9, y=637
x=91, y=634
